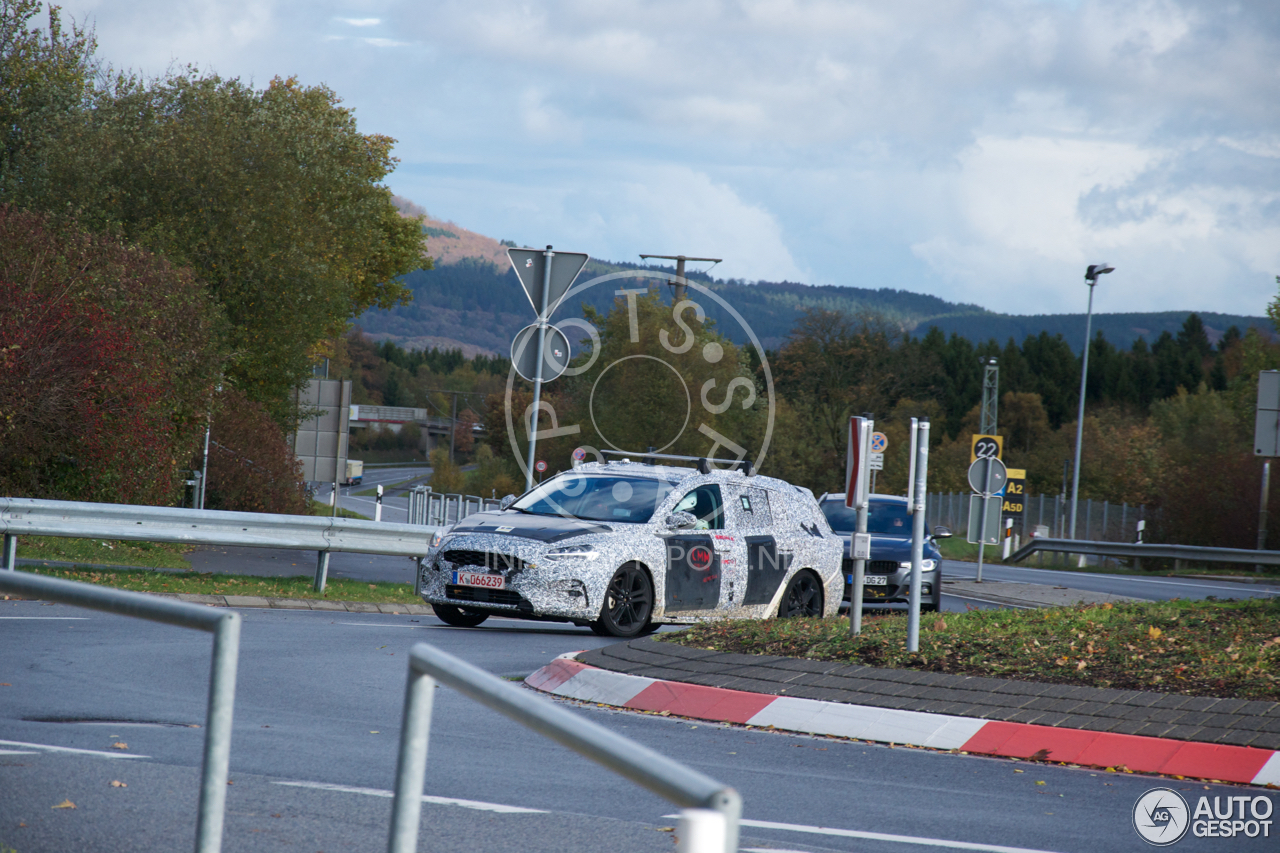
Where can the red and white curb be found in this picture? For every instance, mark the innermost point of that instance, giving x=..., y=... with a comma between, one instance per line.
x=575, y=680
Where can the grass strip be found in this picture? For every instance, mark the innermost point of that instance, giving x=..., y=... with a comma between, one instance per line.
x=1222, y=649
x=196, y=583
x=152, y=555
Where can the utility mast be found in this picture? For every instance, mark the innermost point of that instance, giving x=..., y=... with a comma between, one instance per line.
x=680, y=259
x=990, y=395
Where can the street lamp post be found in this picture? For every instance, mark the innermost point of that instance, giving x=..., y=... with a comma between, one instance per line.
x=1091, y=278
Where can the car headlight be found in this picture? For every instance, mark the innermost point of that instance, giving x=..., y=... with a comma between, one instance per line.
x=574, y=552
x=925, y=565
x=438, y=537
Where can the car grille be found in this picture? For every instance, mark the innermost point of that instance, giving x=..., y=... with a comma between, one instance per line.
x=484, y=559
x=874, y=567
x=480, y=595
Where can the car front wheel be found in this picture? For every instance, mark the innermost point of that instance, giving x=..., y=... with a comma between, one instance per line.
x=628, y=604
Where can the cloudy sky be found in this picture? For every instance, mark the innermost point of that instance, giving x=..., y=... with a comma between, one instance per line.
x=981, y=150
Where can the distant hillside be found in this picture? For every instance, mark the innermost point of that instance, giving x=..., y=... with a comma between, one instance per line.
x=472, y=300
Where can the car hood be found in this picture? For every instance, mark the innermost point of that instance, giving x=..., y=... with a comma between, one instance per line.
x=894, y=548
x=543, y=528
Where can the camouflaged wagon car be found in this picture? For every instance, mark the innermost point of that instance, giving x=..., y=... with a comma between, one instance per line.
x=624, y=547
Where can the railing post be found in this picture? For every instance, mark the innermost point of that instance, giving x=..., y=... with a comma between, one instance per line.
x=217, y=737
x=411, y=766
x=10, y=552
x=322, y=571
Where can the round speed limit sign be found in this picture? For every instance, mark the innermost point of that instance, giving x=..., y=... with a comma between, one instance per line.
x=540, y=466
x=986, y=447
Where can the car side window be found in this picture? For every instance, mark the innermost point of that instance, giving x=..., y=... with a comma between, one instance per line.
x=754, y=508
x=705, y=504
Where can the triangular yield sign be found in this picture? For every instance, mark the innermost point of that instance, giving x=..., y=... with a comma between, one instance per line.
x=530, y=267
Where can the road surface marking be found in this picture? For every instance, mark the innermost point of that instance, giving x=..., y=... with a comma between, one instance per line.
x=380, y=625
x=442, y=801
x=881, y=836
x=51, y=748
x=18, y=752
x=44, y=617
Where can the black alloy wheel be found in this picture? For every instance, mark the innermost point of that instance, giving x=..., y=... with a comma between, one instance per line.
x=628, y=604
x=803, y=597
x=459, y=617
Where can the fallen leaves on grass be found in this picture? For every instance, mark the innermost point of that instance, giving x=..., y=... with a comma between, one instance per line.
x=1221, y=649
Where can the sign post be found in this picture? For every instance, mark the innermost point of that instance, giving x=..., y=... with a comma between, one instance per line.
x=545, y=277
x=856, y=496
x=987, y=477
x=916, y=506
x=1266, y=442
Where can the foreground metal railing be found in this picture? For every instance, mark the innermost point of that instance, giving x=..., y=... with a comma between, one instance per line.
x=225, y=627
x=77, y=520
x=1141, y=550
x=712, y=810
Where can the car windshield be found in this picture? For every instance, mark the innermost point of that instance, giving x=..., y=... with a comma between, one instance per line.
x=597, y=498
x=883, y=518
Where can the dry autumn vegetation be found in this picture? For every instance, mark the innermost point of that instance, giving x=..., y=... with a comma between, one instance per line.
x=1198, y=648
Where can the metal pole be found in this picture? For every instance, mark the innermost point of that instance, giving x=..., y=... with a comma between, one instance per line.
x=217, y=737
x=204, y=468
x=10, y=552
x=918, y=535
x=537, y=376
x=680, y=287
x=859, y=566
x=322, y=571
x=1262, y=511
x=1084, y=374
x=453, y=419
x=982, y=519
x=411, y=766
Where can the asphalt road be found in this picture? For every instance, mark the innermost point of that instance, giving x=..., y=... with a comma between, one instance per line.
x=1137, y=586
x=317, y=722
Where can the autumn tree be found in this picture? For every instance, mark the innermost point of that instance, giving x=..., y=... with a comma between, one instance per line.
x=108, y=358
x=272, y=197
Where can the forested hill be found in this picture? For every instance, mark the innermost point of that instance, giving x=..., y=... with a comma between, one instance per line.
x=471, y=303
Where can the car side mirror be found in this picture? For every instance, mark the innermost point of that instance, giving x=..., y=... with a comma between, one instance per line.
x=942, y=533
x=680, y=521
x=507, y=501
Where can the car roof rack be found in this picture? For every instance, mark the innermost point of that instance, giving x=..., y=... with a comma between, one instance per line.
x=704, y=463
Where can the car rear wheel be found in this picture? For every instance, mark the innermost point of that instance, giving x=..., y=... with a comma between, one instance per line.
x=458, y=617
x=803, y=597
x=628, y=604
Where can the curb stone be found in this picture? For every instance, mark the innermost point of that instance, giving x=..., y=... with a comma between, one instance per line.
x=569, y=677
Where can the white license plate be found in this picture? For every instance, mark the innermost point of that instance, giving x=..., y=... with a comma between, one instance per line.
x=875, y=580
x=479, y=579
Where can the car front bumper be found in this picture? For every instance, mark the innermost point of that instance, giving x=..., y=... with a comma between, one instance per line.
x=896, y=586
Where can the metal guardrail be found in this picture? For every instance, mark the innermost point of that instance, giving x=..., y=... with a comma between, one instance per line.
x=1141, y=550
x=441, y=510
x=77, y=520
x=222, y=623
x=685, y=787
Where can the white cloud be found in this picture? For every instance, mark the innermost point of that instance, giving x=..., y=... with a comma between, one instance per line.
x=971, y=149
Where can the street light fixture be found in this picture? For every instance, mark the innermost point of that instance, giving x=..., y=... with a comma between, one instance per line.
x=1091, y=278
